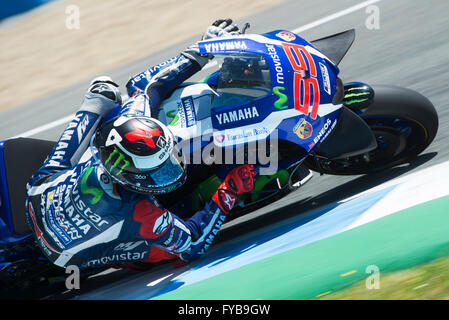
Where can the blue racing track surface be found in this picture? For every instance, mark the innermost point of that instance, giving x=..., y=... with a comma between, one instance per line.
x=290, y=234
x=393, y=225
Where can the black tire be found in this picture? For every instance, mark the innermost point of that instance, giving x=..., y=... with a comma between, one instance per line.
x=404, y=122
x=410, y=105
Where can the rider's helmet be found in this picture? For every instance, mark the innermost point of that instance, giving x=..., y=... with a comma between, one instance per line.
x=140, y=154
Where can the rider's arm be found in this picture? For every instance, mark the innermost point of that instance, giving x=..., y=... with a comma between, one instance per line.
x=191, y=238
x=159, y=81
x=101, y=98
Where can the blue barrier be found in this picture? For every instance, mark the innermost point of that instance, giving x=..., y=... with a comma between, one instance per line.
x=11, y=8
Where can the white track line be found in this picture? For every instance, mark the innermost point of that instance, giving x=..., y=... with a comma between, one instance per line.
x=335, y=16
x=155, y=282
x=311, y=25
x=45, y=127
x=52, y=125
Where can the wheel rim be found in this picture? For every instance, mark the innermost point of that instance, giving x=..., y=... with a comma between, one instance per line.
x=397, y=139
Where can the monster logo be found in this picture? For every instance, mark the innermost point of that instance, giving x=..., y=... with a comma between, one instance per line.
x=118, y=161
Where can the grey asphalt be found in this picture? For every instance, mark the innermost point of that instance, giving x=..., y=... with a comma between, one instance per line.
x=411, y=49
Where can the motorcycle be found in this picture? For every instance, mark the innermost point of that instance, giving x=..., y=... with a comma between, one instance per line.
x=274, y=92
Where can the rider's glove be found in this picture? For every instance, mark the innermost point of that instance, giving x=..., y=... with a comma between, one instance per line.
x=102, y=96
x=221, y=28
x=205, y=224
x=106, y=87
x=239, y=180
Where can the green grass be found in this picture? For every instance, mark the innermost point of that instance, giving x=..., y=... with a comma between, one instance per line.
x=400, y=245
x=429, y=281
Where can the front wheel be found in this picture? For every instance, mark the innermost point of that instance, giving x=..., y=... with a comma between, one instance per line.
x=404, y=123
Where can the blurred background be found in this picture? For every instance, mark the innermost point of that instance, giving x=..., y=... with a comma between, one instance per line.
x=47, y=47
x=12, y=8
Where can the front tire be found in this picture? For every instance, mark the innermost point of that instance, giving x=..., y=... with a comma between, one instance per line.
x=404, y=123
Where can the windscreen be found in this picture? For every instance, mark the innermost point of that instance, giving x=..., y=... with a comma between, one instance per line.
x=242, y=77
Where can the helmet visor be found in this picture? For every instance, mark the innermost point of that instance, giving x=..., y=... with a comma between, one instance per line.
x=170, y=171
x=169, y=176
x=165, y=178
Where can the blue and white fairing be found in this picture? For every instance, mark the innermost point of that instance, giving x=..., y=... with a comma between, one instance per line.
x=297, y=105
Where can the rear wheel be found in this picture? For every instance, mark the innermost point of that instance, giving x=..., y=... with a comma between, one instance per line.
x=404, y=123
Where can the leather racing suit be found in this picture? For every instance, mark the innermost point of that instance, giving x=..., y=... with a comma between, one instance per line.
x=79, y=216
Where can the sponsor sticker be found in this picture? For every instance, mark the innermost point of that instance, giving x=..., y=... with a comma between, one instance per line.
x=286, y=36
x=311, y=145
x=173, y=117
x=162, y=223
x=38, y=233
x=59, y=153
x=120, y=163
x=280, y=79
x=95, y=192
x=239, y=116
x=187, y=114
x=220, y=138
x=54, y=225
x=128, y=246
x=119, y=257
x=81, y=130
x=238, y=136
x=325, y=131
x=303, y=129
x=282, y=101
x=225, y=46
x=326, y=79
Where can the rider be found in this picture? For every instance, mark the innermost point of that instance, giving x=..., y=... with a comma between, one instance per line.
x=92, y=202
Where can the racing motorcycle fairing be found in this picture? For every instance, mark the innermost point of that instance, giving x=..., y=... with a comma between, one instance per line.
x=287, y=97
x=351, y=136
x=335, y=46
